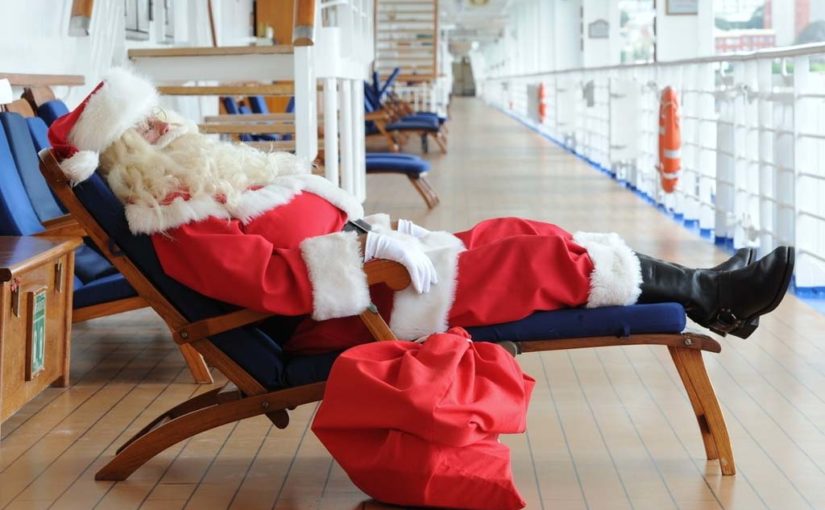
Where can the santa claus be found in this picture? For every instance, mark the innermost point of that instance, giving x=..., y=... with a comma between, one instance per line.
x=260, y=231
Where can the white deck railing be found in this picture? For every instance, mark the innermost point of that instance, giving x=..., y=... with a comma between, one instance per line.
x=753, y=140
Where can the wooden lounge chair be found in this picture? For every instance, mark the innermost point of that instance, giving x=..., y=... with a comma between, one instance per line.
x=244, y=344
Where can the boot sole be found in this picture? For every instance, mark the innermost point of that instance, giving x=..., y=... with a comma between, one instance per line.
x=750, y=326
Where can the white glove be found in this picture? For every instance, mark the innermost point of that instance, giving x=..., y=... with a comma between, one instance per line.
x=410, y=228
x=409, y=255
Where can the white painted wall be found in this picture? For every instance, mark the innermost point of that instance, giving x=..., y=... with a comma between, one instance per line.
x=34, y=36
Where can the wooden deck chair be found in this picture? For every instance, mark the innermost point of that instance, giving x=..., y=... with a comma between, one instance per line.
x=246, y=345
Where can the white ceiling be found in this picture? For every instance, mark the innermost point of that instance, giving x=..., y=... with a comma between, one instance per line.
x=472, y=21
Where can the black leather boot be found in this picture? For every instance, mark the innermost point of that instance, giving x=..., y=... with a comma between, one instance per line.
x=742, y=258
x=724, y=301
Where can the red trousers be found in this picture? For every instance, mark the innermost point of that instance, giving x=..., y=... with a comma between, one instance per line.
x=511, y=268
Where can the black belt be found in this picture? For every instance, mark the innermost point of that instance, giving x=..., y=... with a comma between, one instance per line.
x=359, y=225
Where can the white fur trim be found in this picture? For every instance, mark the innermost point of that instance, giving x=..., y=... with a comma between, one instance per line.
x=380, y=222
x=80, y=166
x=124, y=99
x=335, y=195
x=617, y=275
x=144, y=219
x=415, y=315
x=253, y=203
x=339, y=284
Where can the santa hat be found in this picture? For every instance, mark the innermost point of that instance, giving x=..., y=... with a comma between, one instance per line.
x=120, y=101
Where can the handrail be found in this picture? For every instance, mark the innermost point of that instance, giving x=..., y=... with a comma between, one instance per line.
x=786, y=52
x=36, y=80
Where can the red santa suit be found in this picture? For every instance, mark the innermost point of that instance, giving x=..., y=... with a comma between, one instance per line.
x=278, y=246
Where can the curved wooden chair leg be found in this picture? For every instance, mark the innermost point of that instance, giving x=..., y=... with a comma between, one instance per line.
x=200, y=420
x=441, y=141
x=691, y=368
x=422, y=185
x=197, y=366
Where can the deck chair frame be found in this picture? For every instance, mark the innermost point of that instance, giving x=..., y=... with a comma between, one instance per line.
x=245, y=397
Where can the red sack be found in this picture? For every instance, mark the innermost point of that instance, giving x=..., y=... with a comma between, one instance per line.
x=418, y=424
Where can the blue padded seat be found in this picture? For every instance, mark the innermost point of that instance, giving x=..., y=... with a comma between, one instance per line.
x=585, y=322
x=258, y=104
x=52, y=110
x=392, y=155
x=101, y=290
x=28, y=166
x=397, y=165
x=39, y=132
x=413, y=124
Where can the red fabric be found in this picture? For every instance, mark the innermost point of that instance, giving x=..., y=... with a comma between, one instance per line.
x=61, y=127
x=418, y=424
x=257, y=265
x=536, y=265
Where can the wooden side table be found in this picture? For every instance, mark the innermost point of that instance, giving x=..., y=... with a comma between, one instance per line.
x=37, y=274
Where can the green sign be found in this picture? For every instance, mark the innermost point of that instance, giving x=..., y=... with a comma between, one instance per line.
x=38, y=336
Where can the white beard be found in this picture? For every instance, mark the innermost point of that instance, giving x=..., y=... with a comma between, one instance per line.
x=185, y=162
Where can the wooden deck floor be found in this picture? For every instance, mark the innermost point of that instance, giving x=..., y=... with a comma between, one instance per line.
x=608, y=429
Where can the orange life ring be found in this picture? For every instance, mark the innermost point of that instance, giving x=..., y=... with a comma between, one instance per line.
x=670, y=140
x=542, y=106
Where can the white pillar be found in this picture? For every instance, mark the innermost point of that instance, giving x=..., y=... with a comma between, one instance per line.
x=359, y=163
x=331, y=130
x=347, y=156
x=306, y=116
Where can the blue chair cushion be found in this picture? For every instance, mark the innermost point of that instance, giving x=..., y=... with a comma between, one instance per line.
x=258, y=104
x=103, y=290
x=89, y=265
x=28, y=166
x=397, y=165
x=17, y=216
x=392, y=155
x=52, y=110
x=586, y=322
x=414, y=124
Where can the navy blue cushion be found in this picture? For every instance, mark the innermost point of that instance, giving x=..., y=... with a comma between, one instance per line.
x=397, y=165
x=103, y=290
x=414, y=124
x=39, y=132
x=17, y=216
x=52, y=110
x=230, y=105
x=28, y=166
x=584, y=322
x=249, y=346
x=89, y=265
x=392, y=155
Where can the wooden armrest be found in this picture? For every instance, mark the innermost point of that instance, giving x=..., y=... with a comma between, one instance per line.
x=250, y=117
x=63, y=226
x=378, y=271
x=241, y=127
x=376, y=116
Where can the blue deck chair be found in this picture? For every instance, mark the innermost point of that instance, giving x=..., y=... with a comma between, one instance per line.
x=247, y=345
x=381, y=123
x=413, y=167
x=99, y=289
x=380, y=91
x=233, y=108
x=52, y=110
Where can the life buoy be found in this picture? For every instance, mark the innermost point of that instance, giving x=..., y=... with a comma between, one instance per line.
x=542, y=106
x=670, y=140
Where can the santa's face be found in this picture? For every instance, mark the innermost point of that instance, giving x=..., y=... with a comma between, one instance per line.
x=152, y=129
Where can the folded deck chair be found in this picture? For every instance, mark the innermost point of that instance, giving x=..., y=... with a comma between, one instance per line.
x=388, y=124
x=413, y=167
x=246, y=345
x=30, y=208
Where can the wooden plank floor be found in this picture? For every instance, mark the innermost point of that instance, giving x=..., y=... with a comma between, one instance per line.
x=608, y=429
